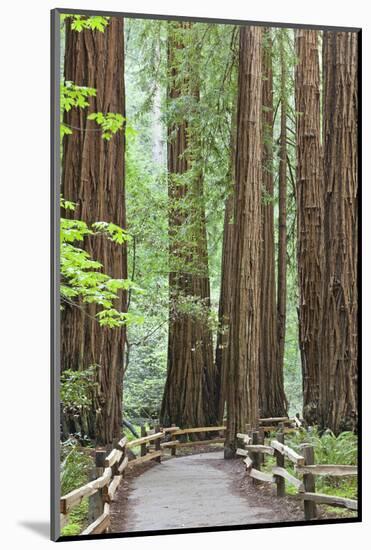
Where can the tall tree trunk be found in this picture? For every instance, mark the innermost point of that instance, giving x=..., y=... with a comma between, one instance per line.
x=243, y=356
x=93, y=177
x=158, y=142
x=189, y=395
x=338, y=390
x=272, y=401
x=222, y=342
x=282, y=214
x=309, y=215
x=224, y=312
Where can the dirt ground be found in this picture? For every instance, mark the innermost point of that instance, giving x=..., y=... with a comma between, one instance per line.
x=196, y=490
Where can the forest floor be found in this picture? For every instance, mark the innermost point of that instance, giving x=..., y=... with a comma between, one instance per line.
x=196, y=490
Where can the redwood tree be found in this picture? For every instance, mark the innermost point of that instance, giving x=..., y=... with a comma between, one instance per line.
x=189, y=394
x=339, y=351
x=309, y=215
x=243, y=356
x=272, y=401
x=282, y=210
x=93, y=177
x=224, y=313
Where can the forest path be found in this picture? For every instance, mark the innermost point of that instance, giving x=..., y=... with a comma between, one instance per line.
x=199, y=490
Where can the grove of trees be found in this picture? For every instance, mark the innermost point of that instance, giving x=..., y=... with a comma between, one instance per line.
x=208, y=225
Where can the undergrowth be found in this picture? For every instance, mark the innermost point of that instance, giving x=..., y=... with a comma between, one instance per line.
x=75, y=467
x=76, y=463
x=328, y=449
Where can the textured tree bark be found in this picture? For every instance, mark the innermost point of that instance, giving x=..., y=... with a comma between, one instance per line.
x=243, y=356
x=282, y=214
x=309, y=215
x=338, y=389
x=224, y=312
x=93, y=177
x=272, y=400
x=222, y=342
x=189, y=394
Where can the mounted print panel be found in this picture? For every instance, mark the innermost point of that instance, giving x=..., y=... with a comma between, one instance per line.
x=205, y=184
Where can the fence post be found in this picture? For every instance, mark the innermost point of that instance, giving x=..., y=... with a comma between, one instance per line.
x=157, y=443
x=115, y=445
x=173, y=438
x=116, y=467
x=143, y=447
x=256, y=457
x=261, y=441
x=248, y=431
x=240, y=443
x=96, y=501
x=280, y=461
x=310, y=510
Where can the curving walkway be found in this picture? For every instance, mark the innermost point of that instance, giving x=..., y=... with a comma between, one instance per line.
x=200, y=490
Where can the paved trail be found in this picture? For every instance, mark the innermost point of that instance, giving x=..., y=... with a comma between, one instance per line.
x=193, y=491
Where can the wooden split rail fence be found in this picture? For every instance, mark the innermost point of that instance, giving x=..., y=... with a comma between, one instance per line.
x=253, y=448
x=110, y=469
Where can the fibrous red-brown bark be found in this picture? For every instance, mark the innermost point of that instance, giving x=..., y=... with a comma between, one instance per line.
x=93, y=177
x=309, y=196
x=244, y=349
x=282, y=213
x=338, y=388
x=224, y=313
x=189, y=394
x=272, y=401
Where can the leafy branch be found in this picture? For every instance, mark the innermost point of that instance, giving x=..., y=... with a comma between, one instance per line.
x=81, y=276
x=81, y=22
x=110, y=123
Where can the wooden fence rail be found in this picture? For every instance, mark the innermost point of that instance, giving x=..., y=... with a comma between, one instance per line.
x=112, y=467
x=104, y=487
x=303, y=464
x=179, y=437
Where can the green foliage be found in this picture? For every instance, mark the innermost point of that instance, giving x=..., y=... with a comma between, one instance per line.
x=146, y=372
x=115, y=233
x=328, y=449
x=292, y=364
x=75, y=467
x=82, y=22
x=76, y=230
x=77, y=388
x=112, y=318
x=71, y=96
x=74, y=96
x=147, y=203
x=193, y=307
x=209, y=63
x=286, y=92
x=81, y=276
x=110, y=123
x=67, y=205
